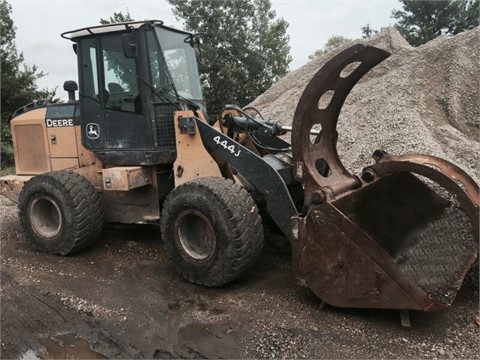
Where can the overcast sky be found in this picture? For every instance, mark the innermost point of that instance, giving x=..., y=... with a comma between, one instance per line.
x=40, y=23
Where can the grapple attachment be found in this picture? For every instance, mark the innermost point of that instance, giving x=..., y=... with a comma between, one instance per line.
x=387, y=240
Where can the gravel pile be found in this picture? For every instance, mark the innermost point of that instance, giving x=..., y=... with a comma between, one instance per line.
x=422, y=100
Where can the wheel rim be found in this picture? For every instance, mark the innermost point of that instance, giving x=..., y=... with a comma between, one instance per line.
x=45, y=216
x=195, y=235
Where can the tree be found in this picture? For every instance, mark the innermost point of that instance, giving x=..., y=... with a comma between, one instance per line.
x=422, y=21
x=331, y=44
x=368, y=32
x=18, y=80
x=245, y=47
x=117, y=18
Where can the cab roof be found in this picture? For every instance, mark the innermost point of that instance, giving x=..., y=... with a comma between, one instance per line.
x=114, y=27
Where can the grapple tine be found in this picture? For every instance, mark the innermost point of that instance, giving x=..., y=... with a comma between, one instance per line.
x=311, y=158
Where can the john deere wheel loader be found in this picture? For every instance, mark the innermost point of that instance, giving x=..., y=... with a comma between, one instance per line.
x=136, y=148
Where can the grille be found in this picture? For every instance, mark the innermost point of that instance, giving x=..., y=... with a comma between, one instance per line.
x=436, y=254
x=165, y=131
x=30, y=153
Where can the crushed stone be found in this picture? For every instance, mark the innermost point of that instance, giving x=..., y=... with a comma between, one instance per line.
x=419, y=100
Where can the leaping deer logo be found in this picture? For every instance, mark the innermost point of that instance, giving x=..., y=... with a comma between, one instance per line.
x=93, y=131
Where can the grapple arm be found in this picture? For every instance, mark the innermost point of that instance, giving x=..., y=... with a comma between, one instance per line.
x=331, y=80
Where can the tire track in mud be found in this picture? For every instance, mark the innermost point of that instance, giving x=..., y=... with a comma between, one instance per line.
x=30, y=318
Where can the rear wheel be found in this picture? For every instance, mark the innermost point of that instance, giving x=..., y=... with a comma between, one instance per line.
x=212, y=230
x=61, y=212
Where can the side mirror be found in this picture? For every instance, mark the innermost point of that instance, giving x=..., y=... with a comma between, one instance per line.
x=194, y=39
x=129, y=46
x=198, y=39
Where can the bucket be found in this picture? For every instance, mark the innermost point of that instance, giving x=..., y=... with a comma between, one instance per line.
x=392, y=244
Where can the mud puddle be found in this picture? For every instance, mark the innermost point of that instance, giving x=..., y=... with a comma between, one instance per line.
x=66, y=346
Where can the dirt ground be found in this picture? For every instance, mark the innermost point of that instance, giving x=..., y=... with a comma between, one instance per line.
x=122, y=299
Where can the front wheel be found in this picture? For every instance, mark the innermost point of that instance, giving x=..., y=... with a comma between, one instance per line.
x=61, y=212
x=212, y=230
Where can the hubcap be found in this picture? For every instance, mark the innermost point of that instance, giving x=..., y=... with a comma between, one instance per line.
x=45, y=216
x=195, y=235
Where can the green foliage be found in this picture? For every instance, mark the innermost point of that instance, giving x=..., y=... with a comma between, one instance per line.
x=8, y=170
x=117, y=18
x=245, y=47
x=6, y=158
x=17, y=79
x=368, y=32
x=331, y=44
x=422, y=21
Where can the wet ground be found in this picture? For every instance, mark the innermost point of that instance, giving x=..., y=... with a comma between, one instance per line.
x=121, y=299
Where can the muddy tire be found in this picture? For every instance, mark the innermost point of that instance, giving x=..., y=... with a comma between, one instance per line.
x=212, y=230
x=61, y=212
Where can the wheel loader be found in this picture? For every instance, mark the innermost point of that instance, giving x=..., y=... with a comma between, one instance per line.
x=136, y=148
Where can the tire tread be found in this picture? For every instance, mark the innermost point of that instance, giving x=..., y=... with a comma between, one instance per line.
x=84, y=205
x=245, y=240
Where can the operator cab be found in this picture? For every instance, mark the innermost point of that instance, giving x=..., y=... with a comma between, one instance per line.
x=132, y=78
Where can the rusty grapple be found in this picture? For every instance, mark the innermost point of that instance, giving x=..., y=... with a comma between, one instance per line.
x=385, y=240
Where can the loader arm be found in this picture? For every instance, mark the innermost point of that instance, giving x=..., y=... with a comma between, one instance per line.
x=254, y=170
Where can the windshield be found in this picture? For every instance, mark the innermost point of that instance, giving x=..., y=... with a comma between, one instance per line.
x=181, y=63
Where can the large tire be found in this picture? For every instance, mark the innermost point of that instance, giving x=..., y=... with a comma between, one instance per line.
x=61, y=212
x=212, y=230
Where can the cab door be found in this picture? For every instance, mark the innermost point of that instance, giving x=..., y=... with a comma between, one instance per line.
x=114, y=124
x=125, y=124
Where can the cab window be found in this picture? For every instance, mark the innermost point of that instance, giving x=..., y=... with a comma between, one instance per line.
x=89, y=84
x=120, y=86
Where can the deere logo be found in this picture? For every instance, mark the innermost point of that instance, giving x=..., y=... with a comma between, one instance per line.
x=93, y=131
x=59, y=122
